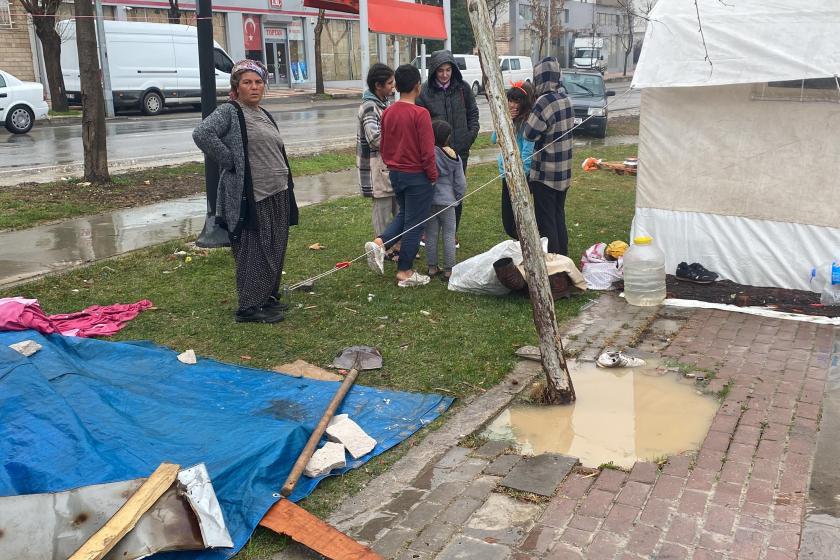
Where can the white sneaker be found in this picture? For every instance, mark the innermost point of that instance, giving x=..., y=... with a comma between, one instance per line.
x=375, y=257
x=618, y=360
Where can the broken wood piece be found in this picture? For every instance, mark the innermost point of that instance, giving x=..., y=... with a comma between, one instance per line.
x=288, y=519
x=102, y=541
x=302, y=368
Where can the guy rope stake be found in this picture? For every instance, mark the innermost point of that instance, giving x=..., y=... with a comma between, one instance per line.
x=559, y=388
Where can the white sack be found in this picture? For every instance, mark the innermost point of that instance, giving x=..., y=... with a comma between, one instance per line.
x=476, y=274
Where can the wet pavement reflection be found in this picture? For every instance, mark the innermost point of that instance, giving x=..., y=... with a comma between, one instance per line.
x=30, y=253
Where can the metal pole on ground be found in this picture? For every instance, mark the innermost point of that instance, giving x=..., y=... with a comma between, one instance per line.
x=103, y=60
x=212, y=235
x=559, y=389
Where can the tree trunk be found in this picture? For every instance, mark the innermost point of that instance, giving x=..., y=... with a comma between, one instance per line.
x=93, y=103
x=51, y=42
x=629, y=48
x=319, y=65
x=174, y=13
x=559, y=389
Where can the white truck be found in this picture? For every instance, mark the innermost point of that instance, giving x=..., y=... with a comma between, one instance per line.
x=152, y=65
x=590, y=54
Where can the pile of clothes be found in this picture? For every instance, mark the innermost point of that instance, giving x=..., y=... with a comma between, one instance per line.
x=602, y=265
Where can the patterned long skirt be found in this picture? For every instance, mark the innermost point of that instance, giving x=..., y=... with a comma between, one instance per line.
x=259, y=253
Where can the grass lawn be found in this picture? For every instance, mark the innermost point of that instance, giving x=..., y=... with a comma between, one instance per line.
x=465, y=341
x=462, y=342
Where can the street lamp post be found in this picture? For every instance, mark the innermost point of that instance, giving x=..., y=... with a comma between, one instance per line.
x=212, y=235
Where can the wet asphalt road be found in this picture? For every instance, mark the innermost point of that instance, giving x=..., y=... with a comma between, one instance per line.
x=52, y=151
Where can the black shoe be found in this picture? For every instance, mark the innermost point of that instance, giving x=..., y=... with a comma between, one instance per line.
x=260, y=315
x=274, y=304
x=695, y=272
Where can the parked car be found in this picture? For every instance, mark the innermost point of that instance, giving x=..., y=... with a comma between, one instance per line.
x=468, y=64
x=152, y=65
x=589, y=99
x=516, y=69
x=21, y=103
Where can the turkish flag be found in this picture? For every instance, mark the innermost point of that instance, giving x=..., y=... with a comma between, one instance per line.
x=251, y=30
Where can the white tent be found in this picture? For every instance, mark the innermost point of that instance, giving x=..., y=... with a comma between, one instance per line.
x=739, y=142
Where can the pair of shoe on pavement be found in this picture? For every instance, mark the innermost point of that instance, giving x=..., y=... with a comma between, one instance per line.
x=376, y=261
x=695, y=272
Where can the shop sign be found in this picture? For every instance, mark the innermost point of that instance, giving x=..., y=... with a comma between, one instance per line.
x=276, y=33
x=295, y=31
x=275, y=4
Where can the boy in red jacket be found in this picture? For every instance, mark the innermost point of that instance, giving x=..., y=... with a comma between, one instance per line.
x=407, y=147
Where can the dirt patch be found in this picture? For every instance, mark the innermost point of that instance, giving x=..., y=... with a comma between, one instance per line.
x=133, y=189
x=725, y=291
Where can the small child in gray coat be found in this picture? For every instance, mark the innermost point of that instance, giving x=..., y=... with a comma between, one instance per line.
x=449, y=188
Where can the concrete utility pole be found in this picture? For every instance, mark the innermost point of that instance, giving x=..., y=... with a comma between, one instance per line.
x=559, y=389
x=447, y=22
x=103, y=60
x=364, y=46
x=212, y=235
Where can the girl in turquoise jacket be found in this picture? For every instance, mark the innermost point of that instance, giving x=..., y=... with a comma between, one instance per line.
x=520, y=99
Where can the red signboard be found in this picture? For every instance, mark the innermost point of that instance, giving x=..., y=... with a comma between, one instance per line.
x=275, y=4
x=251, y=30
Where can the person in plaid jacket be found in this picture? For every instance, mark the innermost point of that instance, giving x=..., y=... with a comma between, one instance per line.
x=549, y=126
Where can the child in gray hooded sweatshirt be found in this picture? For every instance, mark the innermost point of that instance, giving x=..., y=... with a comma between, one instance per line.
x=450, y=187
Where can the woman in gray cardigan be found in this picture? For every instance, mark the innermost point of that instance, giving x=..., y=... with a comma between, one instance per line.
x=255, y=201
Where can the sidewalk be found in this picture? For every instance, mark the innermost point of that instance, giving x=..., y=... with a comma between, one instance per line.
x=741, y=496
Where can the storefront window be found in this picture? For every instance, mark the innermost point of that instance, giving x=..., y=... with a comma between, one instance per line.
x=297, y=51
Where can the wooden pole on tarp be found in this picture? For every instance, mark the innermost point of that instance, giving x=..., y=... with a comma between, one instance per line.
x=559, y=388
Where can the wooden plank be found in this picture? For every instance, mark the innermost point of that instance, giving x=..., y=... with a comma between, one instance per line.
x=286, y=518
x=102, y=541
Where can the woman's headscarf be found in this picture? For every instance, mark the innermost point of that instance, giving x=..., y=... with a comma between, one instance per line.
x=248, y=65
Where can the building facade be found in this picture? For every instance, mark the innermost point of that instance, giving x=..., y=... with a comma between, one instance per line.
x=280, y=33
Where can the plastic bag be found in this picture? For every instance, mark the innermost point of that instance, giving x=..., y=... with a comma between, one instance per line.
x=476, y=274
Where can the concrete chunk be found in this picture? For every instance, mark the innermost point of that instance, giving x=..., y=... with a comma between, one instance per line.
x=187, y=357
x=329, y=457
x=347, y=432
x=26, y=347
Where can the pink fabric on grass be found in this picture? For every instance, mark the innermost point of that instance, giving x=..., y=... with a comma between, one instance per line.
x=17, y=314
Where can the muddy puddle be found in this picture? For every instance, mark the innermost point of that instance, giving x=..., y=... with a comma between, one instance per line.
x=621, y=415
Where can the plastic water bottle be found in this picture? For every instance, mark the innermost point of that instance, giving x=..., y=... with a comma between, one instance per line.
x=826, y=280
x=644, y=273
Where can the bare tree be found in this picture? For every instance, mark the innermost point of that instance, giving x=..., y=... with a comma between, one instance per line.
x=626, y=25
x=93, y=103
x=174, y=13
x=540, y=21
x=43, y=18
x=319, y=65
x=497, y=8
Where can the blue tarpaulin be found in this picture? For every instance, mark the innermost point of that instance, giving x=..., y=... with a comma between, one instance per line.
x=84, y=411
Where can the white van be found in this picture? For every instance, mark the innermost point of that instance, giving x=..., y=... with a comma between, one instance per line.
x=152, y=65
x=516, y=69
x=468, y=64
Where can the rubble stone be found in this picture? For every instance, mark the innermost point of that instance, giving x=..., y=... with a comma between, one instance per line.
x=329, y=457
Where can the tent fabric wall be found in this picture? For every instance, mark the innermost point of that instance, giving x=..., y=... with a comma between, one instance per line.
x=717, y=150
x=748, y=41
x=743, y=186
x=744, y=250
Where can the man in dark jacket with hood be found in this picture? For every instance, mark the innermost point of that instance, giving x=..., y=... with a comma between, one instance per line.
x=549, y=126
x=447, y=97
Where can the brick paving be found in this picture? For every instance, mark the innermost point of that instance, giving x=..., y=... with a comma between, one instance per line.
x=740, y=496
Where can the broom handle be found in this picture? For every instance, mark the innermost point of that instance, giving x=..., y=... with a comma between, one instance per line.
x=319, y=430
